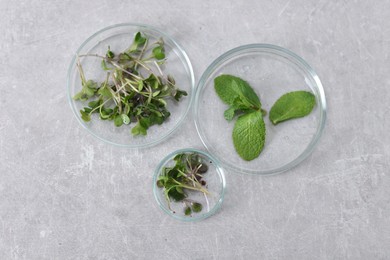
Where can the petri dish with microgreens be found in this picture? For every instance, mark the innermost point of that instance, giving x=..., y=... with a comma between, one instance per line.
x=130, y=85
x=259, y=109
x=189, y=185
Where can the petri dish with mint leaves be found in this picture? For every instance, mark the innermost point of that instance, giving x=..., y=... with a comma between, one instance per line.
x=259, y=109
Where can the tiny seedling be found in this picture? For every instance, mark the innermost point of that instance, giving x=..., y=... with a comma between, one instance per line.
x=186, y=175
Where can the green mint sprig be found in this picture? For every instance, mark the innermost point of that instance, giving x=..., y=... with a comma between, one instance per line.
x=249, y=130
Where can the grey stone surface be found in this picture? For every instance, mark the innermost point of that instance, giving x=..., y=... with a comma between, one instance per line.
x=66, y=195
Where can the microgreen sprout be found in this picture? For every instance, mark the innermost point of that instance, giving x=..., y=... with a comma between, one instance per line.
x=132, y=92
x=186, y=175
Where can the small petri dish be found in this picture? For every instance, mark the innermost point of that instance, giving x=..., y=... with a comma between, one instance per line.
x=271, y=71
x=119, y=37
x=213, y=180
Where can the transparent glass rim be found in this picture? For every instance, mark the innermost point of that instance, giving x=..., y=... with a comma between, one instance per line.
x=164, y=35
x=266, y=48
x=219, y=170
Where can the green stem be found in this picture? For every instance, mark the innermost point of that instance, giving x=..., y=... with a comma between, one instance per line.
x=100, y=106
x=142, y=53
x=113, y=63
x=116, y=95
x=81, y=72
x=192, y=188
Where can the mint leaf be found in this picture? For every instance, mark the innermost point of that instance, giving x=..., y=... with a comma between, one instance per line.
x=292, y=105
x=229, y=113
x=249, y=130
x=249, y=135
x=237, y=106
x=230, y=88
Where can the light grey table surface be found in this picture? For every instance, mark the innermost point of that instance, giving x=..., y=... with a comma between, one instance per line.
x=66, y=195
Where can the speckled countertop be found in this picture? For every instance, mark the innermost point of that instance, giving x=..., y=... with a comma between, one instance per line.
x=66, y=195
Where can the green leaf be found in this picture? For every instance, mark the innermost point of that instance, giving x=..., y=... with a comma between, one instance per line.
x=118, y=121
x=139, y=39
x=105, y=92
x=160, y=182
x=159, y=52
x=179, y=94
x=109, y=53
x=196, y=207
x=165, y=113
x=124, y=58
x=140, y=85
x=162, y=101
x=105, y=113
x=89, y=89
x=157, y=119
x=187, y=211
x=229, y=113
x=152, y=81
x=78, y=95
x=85, y=116
x=104, y=65
x=249, y=135
x=87, y=110
x=145, y=122
x=138, y=129
x=125, y=119
x=179, y=157
x=108, y=110
x=292, y=105
x=173, y=173
x=89, y=92
x=175, y=195
x=94, y=104
x=179, y=189
x=229, y=88
x=138, y=42
x=241, y=104
x=91, y=84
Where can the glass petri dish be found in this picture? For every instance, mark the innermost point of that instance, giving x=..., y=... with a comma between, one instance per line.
x=215, y=184
x=271, y=71
x=119, y=37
